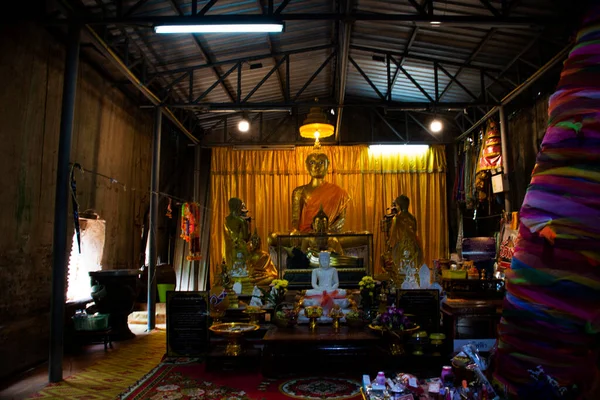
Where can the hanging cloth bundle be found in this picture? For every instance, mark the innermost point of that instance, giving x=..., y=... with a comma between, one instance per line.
x=190, y=229
x=75, y=204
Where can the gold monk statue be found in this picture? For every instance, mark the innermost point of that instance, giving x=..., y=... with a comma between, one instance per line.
x=403, y=235
x=261, y=268
x=307, y=199
x=236, y=231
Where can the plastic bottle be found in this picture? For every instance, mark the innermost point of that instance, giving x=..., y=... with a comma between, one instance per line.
x=380, y=378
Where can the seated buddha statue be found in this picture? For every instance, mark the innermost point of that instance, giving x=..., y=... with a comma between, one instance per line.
x=261, y=268
x=236, y=231
x=321, y=241
x=308, y=199
x=325, y=283
x=403, y=235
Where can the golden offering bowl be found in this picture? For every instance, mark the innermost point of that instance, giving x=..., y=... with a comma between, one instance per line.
x=233, y=331
x=254, y=315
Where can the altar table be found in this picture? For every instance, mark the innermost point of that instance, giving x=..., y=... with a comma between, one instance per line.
x=300, y=350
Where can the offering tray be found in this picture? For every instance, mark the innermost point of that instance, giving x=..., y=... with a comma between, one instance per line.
x=233, y=331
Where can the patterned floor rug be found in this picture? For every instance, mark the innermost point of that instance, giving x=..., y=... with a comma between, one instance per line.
x=113, y=374
x=187, y=381
x=321, y=388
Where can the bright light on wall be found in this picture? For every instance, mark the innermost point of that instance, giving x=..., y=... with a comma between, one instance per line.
x=220, y=28
x=409, y=149
x=244, y=125
x=436, y=126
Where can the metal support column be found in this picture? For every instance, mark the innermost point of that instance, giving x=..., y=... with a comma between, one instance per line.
x=197, y=159
x=61, y=207
x=154, y=219
x=504, y=139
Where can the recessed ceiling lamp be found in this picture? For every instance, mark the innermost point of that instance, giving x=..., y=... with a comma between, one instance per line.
x=436, y=126
x=266, y=26
x=244, y=125
x=316, y=125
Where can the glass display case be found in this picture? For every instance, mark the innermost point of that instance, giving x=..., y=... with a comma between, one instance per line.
x=297, y=255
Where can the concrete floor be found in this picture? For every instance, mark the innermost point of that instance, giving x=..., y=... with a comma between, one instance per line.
x=30, y=382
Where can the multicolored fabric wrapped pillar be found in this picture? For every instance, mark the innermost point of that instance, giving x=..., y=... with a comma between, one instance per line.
x=551, y=312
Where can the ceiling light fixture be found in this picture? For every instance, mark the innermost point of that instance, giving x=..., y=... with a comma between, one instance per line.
x=316, y=125
x=276, y=27
x=436, y=126
x=435, y=23
x=244, y=125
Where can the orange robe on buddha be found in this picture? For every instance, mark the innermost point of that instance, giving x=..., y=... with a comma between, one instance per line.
x=334, y=200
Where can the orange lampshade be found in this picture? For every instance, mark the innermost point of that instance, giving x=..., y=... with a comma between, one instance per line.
x=316, y=125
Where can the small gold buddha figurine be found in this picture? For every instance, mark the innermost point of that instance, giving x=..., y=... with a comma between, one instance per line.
x=403, y=235
x=236, y=231
x=262, y=270
x=308, y=199
x=321, y=241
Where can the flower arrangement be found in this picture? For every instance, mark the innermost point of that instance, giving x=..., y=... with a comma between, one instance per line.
x=286, y=317
x=393, y=319
x=276, y=295
x=254, y=309
x=367, y=291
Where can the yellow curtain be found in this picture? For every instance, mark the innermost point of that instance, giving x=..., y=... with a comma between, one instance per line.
x=265, y=181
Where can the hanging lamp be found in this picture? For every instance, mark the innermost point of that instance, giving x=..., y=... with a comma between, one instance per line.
x=316, y=125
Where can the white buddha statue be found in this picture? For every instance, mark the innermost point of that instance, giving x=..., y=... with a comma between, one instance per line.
x=325, y=290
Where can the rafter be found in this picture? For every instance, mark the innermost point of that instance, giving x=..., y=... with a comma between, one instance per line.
x=205, y=53
x=407, y=47
x=469, y=59
x=284, y=93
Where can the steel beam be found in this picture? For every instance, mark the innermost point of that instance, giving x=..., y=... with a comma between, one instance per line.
x=473, y=54
x=263, y=80
x=206, y=7
x=134, y=8
x=366, y=78
x=243, y=59
x=284, y=94
x=343, y=58
x=421, y=58
x=154, y=190
x=518, y=90
x=61, y=207
x=314, y=75
x=275, y=106
x=448, y=20
x=154, y=99
x=452, y=78
x=389, y=125
x=414, y=82
x=205, y=53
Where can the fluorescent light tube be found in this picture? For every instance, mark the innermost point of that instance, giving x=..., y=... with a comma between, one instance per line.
x=219, y=28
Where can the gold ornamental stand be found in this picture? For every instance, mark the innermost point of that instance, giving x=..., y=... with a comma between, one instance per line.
x=233, y=331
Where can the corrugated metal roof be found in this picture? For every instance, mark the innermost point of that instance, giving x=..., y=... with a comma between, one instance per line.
x=416, y=45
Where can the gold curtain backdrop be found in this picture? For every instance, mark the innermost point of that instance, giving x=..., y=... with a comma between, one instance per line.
x=373, y=178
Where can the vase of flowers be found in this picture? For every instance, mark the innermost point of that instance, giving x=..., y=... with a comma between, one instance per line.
x=367, y=296
x=285, y=315
x=356, y=319
x=396, y=326
x=276, y=293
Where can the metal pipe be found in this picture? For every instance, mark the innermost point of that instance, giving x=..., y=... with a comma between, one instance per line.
x=518, y=90
x=197, y=158
x=61, y=207
x=155, y=180
x=504, y=139
x=344, y=55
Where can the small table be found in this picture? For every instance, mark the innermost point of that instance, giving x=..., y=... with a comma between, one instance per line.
x=99, y=336
x=471, y=319
x=293, y=350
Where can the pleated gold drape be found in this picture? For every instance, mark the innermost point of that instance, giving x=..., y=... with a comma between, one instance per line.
x=265, y=181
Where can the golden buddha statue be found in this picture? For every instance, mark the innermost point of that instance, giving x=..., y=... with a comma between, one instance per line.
x=236, y=231
x=261, y=268
x=321, y=241
x=309, y=198
x=403, y=235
